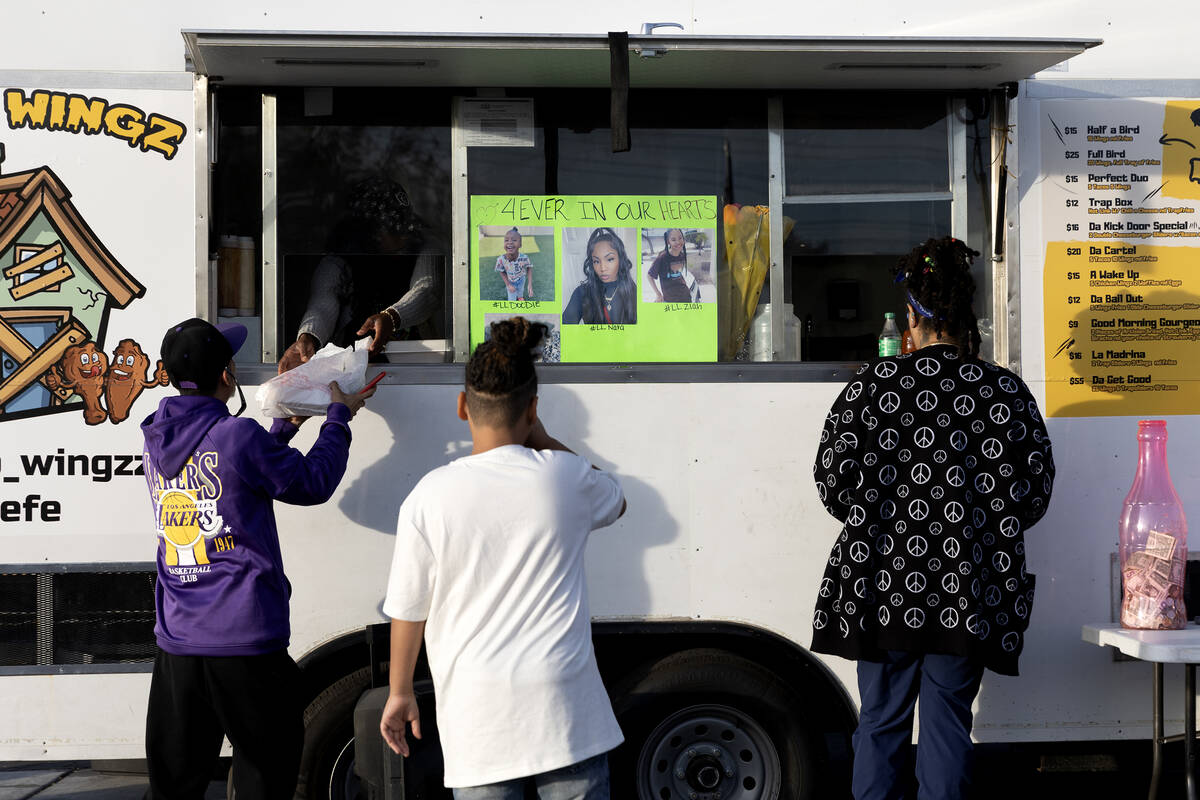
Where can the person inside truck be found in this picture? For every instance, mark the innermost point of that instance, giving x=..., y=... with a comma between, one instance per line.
x=509, y=644
x=343, y=305
x=936, y=463
x=607, y=295
x=221, y=598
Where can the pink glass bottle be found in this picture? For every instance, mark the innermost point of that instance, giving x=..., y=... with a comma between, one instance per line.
x=1153, y=539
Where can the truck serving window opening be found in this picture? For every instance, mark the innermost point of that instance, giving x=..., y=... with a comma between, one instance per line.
x=965, y=73
x=863, y=176
x=361, y=198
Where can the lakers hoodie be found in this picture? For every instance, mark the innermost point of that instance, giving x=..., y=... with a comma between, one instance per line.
x=213, y=479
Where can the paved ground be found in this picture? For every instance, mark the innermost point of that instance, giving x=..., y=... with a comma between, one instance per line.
x=1103, y=771
x=78, y=781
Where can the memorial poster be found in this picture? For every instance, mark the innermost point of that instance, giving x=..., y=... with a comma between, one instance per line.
x=616, y=278
x=1121, y=189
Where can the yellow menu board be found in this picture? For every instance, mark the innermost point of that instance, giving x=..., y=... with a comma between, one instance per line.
x=1121, y=280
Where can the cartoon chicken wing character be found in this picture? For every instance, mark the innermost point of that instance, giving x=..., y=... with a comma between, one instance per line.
x=82, y=371
x=126, y=379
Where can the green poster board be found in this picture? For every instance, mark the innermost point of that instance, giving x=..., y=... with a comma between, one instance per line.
x=583, y=266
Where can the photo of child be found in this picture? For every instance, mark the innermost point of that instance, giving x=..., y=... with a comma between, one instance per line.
x=516, y=263
x=677, y=265
x=549, y=351
x=599, y=278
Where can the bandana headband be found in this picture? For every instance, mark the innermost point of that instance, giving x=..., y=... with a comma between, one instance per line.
x=916, y=305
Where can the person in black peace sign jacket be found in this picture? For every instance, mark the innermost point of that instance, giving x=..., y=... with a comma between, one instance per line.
x=937, y=463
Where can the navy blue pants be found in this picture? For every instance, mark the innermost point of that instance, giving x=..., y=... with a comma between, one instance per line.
x=947, y=686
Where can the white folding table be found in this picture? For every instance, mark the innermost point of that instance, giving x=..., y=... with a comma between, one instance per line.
x=1161, y=647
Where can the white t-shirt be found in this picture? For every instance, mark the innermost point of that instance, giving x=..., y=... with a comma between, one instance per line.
x=489, y=550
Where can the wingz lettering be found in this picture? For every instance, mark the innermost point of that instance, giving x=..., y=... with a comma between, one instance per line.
x=73, y=113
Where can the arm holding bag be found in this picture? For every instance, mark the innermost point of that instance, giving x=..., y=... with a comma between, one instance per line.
x=304, y=391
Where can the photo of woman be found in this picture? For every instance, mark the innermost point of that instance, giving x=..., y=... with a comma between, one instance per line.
x=606, y=292
x=678, y=265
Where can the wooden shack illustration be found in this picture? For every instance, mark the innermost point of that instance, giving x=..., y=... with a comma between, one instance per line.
x=58, y=284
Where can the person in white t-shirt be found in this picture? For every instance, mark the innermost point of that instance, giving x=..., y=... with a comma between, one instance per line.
x=488, y=567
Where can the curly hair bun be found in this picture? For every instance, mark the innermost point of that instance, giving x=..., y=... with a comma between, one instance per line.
x=517, y=336
x=501, y=378
x=936, y=276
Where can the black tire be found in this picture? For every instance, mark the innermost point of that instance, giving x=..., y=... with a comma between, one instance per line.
x=327, y=761
x=706, y=723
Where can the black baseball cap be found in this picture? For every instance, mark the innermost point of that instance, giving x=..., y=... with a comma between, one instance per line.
x=195, y=352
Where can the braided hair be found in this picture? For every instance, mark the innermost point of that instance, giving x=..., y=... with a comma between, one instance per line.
x=624, y=305
x=501, y=380
x=937, y=278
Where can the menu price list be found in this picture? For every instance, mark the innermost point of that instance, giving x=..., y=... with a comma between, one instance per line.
x=1122, y=303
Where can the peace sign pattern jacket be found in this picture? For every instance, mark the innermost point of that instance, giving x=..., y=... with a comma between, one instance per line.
x=936, y=465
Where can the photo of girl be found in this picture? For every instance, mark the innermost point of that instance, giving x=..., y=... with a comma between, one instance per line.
x=511, y=259
x=606, y=291
x=678, y=265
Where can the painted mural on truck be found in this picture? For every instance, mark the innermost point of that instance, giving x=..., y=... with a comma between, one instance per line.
x=60, y=283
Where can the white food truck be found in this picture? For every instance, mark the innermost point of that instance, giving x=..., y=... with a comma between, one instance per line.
x=161, y=161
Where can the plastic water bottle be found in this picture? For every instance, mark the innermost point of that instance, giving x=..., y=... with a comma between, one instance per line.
x=889, y=337
x=1153, y=539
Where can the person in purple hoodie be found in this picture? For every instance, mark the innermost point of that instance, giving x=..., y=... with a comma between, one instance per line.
x=221, y=598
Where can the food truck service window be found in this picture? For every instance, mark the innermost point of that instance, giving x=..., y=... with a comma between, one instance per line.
x=867, y=177
x=685, y=213
x=361, y=215
x=655, y=212
x=728, y=200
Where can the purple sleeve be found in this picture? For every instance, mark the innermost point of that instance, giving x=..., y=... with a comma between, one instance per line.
x=282, y=430
x=284, y=473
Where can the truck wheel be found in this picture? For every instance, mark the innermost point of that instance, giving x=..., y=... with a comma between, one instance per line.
x=705, y=723
x=327, y=761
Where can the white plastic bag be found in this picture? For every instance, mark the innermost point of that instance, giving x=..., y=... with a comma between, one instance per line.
x=304, y=390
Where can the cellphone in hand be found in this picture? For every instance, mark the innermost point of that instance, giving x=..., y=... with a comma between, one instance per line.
x=371, y=384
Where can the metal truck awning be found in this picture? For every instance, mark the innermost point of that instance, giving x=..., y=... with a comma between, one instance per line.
x=292, y=58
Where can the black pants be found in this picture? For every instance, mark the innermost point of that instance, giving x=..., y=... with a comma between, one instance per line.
x=254, y=700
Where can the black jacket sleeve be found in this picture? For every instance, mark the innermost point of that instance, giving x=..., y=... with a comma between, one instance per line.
x=837, y=470
x=1033, y=467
